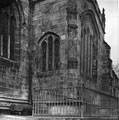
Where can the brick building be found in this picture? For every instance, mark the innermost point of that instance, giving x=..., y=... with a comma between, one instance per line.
x=57, y=48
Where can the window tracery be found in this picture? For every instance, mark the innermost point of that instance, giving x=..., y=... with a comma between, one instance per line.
x=50, y=46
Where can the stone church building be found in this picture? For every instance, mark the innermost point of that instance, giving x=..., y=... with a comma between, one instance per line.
x=54, y=60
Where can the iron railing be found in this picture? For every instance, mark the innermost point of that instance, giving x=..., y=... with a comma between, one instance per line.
x=75, y=102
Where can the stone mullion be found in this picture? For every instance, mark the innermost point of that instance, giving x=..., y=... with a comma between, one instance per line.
x=91, y=60
x=53, y=54
x=9, y=40
x=94, y=57
x=1, y=34
x=47, y=54
x=83, y=48
x=1, y=44
x=85, y=53
x=88, y=63
x=96, y=53
x=89, y=56
x=81, y=52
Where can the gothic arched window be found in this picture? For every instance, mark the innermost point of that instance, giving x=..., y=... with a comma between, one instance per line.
x=50, y=46
x=7, y=33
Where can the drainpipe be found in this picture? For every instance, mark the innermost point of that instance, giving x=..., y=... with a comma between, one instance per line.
x=30, y=71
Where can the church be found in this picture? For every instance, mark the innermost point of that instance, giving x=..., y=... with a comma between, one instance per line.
x=54, y=60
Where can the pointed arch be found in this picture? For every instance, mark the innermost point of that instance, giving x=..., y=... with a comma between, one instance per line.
x=91, y=16
x=47, y=33
x=89, y=46
x=50, y=43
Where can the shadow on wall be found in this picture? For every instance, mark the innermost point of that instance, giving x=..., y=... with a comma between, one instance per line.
x=5, y=3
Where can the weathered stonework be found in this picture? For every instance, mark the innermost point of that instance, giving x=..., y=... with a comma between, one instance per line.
x=59, y=60
x=14, y=77
x=73, y=21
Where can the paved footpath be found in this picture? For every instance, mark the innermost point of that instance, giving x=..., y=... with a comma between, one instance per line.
x=10, y=117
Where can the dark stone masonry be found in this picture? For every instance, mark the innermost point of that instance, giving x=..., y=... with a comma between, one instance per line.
x=54, y=60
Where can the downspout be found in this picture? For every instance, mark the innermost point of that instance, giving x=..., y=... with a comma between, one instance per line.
x=30, y=71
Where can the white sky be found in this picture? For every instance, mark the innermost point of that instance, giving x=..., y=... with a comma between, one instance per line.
x=112, y=26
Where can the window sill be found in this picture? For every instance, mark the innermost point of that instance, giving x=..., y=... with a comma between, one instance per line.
x=7, y=62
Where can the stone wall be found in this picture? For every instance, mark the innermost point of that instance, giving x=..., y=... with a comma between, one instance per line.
x=67, y=19
x=50, y=16
x=14, y=73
